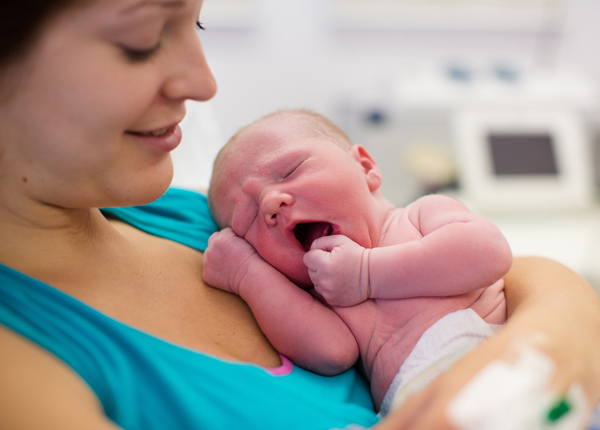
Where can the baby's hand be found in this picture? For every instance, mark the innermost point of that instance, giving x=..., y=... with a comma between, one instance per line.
x=226, y=260
x=339, y=270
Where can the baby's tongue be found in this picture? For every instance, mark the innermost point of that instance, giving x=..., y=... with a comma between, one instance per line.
x=309, y=232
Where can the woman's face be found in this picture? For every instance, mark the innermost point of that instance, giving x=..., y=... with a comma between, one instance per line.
x=89, y=116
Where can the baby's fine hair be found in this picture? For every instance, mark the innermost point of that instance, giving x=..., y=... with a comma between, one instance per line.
x=316, y=126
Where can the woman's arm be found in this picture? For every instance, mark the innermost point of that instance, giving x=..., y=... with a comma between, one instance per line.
x=552, y=310
x=38, y=391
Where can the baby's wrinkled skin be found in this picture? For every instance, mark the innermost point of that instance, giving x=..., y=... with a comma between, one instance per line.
x=301, y=210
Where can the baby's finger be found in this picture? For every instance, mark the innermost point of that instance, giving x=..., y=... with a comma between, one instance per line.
x=314, y=259
x=228, y=232
x=312, y=274
x=212, y=238
x=327, y=243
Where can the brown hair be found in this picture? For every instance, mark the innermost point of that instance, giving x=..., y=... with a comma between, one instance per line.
x=21, y=22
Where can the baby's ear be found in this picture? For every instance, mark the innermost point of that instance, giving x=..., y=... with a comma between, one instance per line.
x=372, y=172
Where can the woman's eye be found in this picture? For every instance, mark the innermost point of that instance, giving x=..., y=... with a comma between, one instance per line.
x=140, y=55
x=199, y=26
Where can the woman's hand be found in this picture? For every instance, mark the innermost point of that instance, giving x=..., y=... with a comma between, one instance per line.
x=551, y=310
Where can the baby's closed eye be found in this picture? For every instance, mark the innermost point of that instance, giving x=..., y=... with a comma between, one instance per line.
x=292, y=170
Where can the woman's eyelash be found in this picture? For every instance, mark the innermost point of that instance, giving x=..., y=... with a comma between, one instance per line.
x=139, y=55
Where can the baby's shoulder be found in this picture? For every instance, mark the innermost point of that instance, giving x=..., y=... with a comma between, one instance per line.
x=435, y=203
x=399, y=228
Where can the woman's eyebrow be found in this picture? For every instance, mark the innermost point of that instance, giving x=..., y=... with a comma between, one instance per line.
x=160, y=3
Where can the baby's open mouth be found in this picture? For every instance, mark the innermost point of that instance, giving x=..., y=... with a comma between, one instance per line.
x=308, y=232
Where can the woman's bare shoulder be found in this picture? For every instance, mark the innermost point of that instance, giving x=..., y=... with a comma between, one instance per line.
x=40, y=391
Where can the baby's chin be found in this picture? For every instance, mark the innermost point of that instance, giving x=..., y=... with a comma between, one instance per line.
x=291, y=266
x=305, y=284
x=299, y=277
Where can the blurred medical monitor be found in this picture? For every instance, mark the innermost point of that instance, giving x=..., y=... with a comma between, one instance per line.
x=523, y=160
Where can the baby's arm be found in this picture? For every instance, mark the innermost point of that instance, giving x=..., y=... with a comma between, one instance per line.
x=457, y=253
x=298, y=325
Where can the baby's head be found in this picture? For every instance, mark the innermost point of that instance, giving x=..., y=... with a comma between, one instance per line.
x=299, y=122
x=304, y=123
x=289, y=178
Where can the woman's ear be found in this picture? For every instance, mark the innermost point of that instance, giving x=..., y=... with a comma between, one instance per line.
x=372, y=172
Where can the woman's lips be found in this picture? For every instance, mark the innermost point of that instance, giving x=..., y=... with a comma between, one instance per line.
x=164, y=140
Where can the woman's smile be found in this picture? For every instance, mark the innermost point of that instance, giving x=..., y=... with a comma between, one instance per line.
x=161, y=140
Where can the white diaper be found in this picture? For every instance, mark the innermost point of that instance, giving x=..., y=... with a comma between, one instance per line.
x=442, y=344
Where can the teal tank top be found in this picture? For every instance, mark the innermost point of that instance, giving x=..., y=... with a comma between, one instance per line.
x=144, y=382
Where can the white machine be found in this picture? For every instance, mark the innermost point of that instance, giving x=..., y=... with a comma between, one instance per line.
x=531, y=172
x=523, y=155
x=524, y=160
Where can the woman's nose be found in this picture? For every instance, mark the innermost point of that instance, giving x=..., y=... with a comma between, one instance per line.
x=273, y=204
x=190, y=77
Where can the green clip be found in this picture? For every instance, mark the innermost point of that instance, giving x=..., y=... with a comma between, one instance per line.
x=560, y=408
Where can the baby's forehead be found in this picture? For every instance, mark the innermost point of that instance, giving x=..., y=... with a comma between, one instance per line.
x=261, y=143
x=255, y=153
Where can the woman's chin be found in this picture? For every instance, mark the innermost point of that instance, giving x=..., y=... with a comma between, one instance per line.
x=150, y=193
x=143, y=188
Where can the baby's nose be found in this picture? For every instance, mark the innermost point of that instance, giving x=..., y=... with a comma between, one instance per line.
x=273, y=204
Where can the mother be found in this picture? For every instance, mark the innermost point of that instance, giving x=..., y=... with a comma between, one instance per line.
x=104, y=318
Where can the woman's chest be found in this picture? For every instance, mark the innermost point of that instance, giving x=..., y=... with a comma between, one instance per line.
x=161, y=292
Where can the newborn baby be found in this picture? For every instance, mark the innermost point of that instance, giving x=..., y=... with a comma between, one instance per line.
x=334, y=273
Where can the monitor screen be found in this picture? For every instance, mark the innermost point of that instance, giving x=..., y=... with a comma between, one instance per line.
x=523, y=154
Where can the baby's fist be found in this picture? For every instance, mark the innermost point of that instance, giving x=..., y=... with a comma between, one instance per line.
x=226, y=260
x=339, y=270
